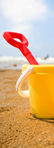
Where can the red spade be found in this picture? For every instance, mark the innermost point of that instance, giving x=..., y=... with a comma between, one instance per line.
x=9, y=37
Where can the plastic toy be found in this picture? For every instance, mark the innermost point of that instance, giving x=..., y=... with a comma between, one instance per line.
x=9, y=37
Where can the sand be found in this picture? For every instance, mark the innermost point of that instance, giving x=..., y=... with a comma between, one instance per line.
x=18, y=128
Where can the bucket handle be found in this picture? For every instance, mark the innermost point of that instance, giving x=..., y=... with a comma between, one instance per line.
x=20, y=81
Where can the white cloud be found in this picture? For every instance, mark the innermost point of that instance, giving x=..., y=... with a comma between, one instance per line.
x=21, y=13
x=23, y=10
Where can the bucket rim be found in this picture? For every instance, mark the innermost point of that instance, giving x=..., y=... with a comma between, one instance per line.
x=44, y=68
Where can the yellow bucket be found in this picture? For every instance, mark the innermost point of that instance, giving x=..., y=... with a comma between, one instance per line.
x=41, y=89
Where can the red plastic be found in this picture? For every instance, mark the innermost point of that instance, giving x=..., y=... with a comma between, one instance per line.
x=9, y=37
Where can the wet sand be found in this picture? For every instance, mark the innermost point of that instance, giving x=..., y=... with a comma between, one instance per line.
x=18, y=128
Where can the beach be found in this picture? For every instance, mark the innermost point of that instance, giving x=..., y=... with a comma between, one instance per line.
x=18, y=128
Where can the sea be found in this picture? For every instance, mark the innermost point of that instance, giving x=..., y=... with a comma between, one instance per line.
x=17, y=62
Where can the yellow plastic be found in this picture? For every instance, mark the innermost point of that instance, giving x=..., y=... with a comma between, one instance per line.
x=41, y=90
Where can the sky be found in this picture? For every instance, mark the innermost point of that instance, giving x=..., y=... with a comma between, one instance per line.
x=34, y=19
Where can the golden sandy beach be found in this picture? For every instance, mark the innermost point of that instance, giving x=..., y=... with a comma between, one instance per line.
x=18, y=128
